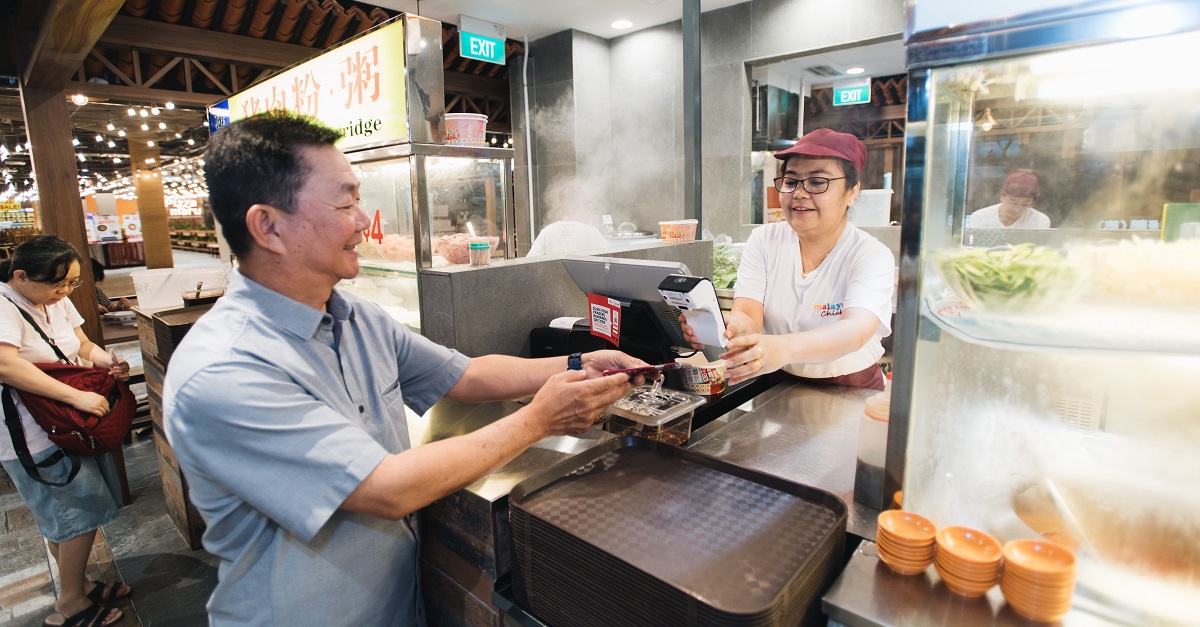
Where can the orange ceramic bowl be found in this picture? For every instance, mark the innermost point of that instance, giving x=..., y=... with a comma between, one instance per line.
x=968, y=546
x=968, y=574
x=965, y=588
x=1062, y=580
x=907, y=552
x=1039, y=558
x=907, y=528
x=903, y=567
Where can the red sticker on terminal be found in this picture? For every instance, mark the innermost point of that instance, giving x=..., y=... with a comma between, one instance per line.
x=605, y=317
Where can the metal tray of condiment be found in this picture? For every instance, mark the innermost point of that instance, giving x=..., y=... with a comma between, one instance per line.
x=635, y=530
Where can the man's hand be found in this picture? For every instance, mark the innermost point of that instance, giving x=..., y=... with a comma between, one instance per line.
x=596, y=362
x=571, y=403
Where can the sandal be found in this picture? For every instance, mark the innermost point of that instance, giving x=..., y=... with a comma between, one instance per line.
x=93, y=616
x=107, y=593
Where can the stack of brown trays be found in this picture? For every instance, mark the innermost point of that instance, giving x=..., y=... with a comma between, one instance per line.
x=634, y=532
x=170, y=327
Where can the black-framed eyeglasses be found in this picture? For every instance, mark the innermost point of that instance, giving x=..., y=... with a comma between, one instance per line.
x=812, y=184
x=63, y=284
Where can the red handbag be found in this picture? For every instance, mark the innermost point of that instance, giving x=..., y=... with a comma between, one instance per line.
x=73, y=431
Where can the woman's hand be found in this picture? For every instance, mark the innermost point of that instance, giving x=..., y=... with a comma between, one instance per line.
x=756, y=354
x=90, y=402
x=120, y=370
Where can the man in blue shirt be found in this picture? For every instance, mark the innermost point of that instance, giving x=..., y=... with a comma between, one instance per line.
x=285, y=403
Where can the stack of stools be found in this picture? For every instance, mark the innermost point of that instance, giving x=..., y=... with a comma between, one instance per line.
x=635, y=532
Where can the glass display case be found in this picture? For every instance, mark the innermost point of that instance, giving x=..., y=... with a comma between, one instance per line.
x=427, y=202
x=1046, y=379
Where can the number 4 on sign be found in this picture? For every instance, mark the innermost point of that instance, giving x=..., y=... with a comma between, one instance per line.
x=376, y=230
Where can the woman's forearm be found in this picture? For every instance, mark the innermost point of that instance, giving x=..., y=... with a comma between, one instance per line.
x=828, y=343
x=25, y=376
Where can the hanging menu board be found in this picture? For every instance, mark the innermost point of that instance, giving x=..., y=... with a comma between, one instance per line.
x=357, y=87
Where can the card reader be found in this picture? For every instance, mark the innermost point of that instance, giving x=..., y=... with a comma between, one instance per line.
x=697, y=299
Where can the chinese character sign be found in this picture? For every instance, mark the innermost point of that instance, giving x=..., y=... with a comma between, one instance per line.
x=357, y=87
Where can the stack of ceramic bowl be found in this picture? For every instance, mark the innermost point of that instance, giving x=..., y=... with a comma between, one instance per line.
x=905, y=541
x=1038, y=579
x=967, y=560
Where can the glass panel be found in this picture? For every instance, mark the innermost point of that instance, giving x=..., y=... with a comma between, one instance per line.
x=388, y=270
x=464, y=195
x=1054, y=389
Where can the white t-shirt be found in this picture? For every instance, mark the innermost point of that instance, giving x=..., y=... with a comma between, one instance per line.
x=567, y=236
x=989, y=218
x=59, y=322
x=859, y=272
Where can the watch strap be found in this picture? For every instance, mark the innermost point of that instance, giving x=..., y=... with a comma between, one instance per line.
x=575, y=361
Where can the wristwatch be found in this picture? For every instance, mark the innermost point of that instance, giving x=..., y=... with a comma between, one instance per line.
x=575, y=361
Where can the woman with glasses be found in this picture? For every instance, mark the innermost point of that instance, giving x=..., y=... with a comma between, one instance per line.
x=813, y=295
x=37, y=279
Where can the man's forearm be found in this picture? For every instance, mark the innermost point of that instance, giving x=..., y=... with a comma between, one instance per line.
x=501, y=377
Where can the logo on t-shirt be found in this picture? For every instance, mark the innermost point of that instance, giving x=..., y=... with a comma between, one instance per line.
x=829, y=309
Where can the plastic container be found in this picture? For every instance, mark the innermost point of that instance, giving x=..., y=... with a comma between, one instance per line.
x=662, y=415
x=466, y=129
x=205, y=296
x=480, y=251
x=872, y=451
x=678, y=231
x=874, y=208
x=156, y=289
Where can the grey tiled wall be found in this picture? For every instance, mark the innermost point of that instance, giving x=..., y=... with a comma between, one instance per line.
x=624, y=100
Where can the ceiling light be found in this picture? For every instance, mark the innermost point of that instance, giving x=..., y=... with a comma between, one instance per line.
x=145, y=127
x=132, y=112
x=178, y=136
x=162, y=125
x=116, y=159
x=112, y=144
x=150, y=144
x=121, y=132
x=74, y=141
x=82, y=157
x=170, y=105
x=155, y=110
x=621, y=24
x=191, y=142
x=855, y=70
x=987, y=122
x=79, y=99
x=99, y=138
x=143, y=113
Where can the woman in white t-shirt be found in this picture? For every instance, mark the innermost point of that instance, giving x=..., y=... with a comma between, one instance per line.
x=813, y=295
x=37, y=279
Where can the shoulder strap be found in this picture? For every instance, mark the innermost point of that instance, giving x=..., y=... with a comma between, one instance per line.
x=29, y=319
x=12, y=419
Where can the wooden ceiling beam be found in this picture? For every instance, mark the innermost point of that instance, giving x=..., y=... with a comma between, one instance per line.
x=198, y=43
x=461, y=83
x=130, y=93
x=67, y=34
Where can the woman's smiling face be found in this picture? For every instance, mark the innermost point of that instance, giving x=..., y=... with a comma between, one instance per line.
x=819, y=213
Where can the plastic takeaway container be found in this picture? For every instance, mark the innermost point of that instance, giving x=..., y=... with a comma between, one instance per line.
x=156, y=289
x=465, y=129
x=874, y=208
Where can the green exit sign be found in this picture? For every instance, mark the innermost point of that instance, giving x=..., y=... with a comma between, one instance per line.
x=851, y=92
x=478, y=47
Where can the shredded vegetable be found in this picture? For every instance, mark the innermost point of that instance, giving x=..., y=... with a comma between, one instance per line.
x=1149, y=272
x=1023, y=276
x=726, y=260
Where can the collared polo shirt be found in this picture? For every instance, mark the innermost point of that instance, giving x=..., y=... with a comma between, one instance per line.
x=277, y=412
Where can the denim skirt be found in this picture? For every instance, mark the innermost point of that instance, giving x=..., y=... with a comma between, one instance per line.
x=87, y=502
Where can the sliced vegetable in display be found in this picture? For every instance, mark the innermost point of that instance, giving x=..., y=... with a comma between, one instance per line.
x=726, y=260
x=1020, y=277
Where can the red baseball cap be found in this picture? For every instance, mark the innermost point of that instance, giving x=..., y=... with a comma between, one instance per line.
x=1023, y=183
x=825, y=142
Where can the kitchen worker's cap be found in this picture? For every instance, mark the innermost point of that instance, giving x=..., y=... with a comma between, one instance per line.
x=1021, y=183
x=824, y=142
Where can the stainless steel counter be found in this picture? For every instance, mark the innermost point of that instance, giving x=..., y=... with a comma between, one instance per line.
x=800, y=432
x=450, y=418
x=868, y=594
